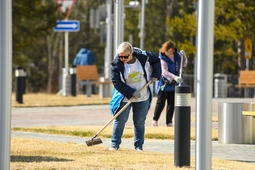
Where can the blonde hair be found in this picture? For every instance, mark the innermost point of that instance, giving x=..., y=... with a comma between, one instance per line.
x=125, y=47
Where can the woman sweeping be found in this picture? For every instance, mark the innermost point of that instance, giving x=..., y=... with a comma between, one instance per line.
x=130, y=71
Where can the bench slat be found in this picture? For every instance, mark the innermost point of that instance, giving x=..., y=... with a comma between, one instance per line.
x=246, y=79
x=245, y=85
x=87, y=72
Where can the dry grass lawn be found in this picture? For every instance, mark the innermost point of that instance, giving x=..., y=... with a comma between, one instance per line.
x=43, y=99
x=32, y=154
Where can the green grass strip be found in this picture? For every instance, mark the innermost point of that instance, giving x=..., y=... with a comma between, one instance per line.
x=92, y=133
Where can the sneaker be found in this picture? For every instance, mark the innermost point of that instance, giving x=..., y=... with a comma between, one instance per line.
x=169, y=125
x=154, y=123
x=113, y=148
x=139, y=149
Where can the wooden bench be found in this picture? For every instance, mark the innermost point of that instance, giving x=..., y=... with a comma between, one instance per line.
x=88, y=74
x=247, y=81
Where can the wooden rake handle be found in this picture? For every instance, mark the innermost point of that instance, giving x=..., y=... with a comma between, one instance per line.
x=180, y=75
x=122, y=109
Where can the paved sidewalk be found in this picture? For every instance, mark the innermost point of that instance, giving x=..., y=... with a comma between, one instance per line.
x=93, y=114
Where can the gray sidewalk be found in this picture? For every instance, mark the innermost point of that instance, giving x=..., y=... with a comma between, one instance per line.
x=99, y=115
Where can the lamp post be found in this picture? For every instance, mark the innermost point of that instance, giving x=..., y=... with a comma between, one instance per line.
x=132, y=4
x=204, y=84
x=142, y=33
x=119, y=21
x=5, y=82
x=136, y=4
x=108, y=48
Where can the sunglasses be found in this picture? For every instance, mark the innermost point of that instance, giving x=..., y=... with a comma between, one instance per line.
x=124, y=57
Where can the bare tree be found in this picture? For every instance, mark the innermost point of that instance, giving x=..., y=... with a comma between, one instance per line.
x=55, y=55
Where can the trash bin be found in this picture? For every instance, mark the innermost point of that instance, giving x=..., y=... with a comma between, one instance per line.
x=105, y=88
x=249, y=124
x=220, y=85
x=230, y=123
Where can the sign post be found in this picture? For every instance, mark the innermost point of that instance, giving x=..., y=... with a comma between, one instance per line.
x=63, y=6
x=66, y=26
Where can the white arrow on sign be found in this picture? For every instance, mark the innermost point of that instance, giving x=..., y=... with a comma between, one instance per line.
x=67, y=26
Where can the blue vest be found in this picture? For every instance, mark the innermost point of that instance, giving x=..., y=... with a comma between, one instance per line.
x=172, y=69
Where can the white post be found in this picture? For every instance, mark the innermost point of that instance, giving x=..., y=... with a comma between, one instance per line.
x=118, y=23
x=247, y=64
x=115, y=27
x=108, y=54
x=66, y=50
x=121, y=20
x=142, y=34
x=204, y=84
x=131, y=38
x=195, y=58
x=5, y=82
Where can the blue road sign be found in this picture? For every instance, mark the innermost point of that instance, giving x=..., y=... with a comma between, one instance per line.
x=71, y=26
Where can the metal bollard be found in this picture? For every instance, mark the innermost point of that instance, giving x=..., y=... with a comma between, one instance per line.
x=182, y=126
x=19, y=85
x=73, y=81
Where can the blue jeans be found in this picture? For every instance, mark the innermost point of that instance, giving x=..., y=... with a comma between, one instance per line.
x=140, y=110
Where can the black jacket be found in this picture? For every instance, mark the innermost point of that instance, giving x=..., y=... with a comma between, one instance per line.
x=117, y=70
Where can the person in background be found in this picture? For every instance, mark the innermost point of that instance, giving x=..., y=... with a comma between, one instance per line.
x=85, y=57
x=130, y=71
x=170, y=60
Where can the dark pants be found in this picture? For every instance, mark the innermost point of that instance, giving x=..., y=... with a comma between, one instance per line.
x=93, y=89
x=162, y=97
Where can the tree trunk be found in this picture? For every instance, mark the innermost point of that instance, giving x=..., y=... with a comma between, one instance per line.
x=241, y=61
x=54, y=46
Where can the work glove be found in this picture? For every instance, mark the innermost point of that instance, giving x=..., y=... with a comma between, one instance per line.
x=183, y=53
x=136, y=94
x=178, y=79
x=153, y=79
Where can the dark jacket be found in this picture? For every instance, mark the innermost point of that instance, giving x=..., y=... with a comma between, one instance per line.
x=121, y=89
x=117, y=71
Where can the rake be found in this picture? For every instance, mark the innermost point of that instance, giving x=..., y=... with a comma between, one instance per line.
x=96, y=141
